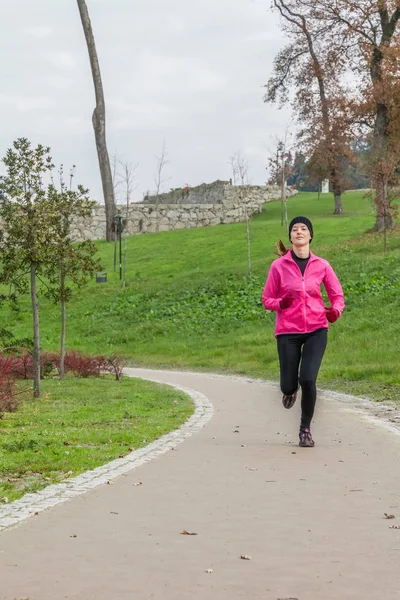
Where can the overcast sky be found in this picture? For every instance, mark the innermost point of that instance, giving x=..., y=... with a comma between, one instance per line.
x=187, y=71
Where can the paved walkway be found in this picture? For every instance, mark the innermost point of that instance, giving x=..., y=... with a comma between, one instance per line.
x=312, y=520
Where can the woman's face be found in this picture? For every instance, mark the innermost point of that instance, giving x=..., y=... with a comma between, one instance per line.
x=300, y=235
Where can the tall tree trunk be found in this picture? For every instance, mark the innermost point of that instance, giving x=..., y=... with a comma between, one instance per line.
x=337, y=191
x=99, y=122
x=36, y=334
x=63, y=337
x=384, y=219
x=381, y=138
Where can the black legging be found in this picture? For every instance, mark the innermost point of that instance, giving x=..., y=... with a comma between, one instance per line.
x=309, y=348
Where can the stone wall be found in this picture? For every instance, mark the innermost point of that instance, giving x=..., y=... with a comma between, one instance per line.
x=217, y=193
x=229, y=206
x=206, y=193
x=142, y=218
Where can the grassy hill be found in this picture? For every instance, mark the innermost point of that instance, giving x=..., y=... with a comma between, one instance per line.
x=189, y=303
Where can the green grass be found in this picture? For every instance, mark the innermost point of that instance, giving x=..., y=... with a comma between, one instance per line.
x=80, y=424
x=189, y=304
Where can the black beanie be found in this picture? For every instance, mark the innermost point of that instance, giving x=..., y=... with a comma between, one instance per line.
x=301, y=220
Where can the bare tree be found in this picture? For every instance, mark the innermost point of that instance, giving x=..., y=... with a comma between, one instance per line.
x=116, y=177
x=99, y=122
x=232, y=162
x=240, y=169
x=240, y=176
x=159, y=180
x=281, y=167
x=127, y=178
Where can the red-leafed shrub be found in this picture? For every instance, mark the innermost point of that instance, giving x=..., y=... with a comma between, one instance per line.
x=83, y=366
x=21, y=364
x=9, y=395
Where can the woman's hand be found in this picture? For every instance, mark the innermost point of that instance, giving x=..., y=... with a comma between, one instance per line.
x=332, y=314
x=286, y=301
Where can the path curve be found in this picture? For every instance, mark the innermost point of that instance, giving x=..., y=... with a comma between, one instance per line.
x=312, y=520
x=32, y=504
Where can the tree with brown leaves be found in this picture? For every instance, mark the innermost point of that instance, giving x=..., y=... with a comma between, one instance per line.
x=311, y=67
x=365, y=34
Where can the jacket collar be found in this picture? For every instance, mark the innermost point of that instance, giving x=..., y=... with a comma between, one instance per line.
x=288, y=256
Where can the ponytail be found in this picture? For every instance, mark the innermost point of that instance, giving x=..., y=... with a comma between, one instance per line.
x=281, y=248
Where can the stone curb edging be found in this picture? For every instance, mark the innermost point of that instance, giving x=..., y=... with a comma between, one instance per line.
x=32, y=504
x=384, y=414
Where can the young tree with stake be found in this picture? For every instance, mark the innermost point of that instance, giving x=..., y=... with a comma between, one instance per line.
x=29, y=222
x=69, y=263
x=240, y=176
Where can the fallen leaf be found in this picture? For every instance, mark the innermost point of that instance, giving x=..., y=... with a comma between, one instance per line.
x=185, y=532
x=294, y=452
x=245, y=557
x=389, y=516
x=209, y=570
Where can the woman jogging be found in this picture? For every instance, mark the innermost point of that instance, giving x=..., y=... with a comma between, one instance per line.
x=293, y=290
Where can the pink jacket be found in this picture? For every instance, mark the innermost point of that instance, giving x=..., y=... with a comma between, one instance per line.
x=307, y=313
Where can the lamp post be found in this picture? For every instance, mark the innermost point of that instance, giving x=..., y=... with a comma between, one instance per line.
x=118, y=219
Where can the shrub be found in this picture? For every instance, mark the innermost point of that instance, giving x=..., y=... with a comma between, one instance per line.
x=115, y=364
x=84, y=366
x=9, y=395
x=21, y=363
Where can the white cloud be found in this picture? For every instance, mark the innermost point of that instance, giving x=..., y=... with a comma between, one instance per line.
x=27, y=103
x=191, y=73
x=62, y=60
x=60, y=82
x=40, y=31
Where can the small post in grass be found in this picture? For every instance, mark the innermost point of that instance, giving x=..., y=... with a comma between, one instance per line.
x=118, y=219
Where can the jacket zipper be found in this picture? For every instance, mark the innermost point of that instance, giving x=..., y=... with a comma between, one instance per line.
x=304, y=291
